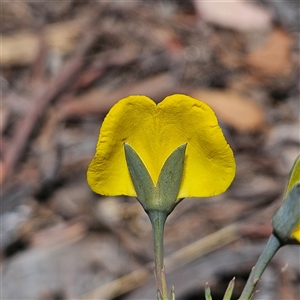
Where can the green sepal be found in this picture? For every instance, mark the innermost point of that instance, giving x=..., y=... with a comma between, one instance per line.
x=229, y=290
x=140, y=176
x=170, y=177
x=286, y=218
x=169, y=180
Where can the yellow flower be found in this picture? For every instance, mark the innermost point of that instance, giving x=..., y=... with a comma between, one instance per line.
x=154, y=132
x=286, y=220
x=294, y=176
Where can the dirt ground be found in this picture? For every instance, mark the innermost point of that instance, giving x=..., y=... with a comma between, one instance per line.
x=64, y=64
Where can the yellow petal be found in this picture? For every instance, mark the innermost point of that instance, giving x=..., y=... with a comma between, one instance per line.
x=154, y=131
x=296, y=233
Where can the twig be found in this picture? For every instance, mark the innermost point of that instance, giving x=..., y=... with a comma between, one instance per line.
x=69, y=73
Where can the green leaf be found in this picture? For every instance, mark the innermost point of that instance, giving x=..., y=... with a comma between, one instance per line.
x=140, y=176
x=172, y=293
x=159, y=296
x=207, y=292
x=229, y=290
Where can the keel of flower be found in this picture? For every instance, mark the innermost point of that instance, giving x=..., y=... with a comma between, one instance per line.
x=161, y=196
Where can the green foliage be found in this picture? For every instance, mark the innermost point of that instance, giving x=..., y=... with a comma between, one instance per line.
x=207, y=292
x=229, y=290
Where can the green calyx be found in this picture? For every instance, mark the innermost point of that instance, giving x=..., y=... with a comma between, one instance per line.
x=286, y=218
x=161, y=197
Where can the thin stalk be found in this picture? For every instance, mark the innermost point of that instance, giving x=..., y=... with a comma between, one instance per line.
x=158, y=220
x=271, y=248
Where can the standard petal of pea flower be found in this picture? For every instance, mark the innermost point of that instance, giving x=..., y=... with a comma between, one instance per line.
x=154, y=131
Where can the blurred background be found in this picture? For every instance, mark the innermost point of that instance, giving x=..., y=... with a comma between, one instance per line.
x=63, y=65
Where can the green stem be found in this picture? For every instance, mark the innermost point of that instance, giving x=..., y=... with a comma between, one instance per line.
x=271, y=248
x=158, y=220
